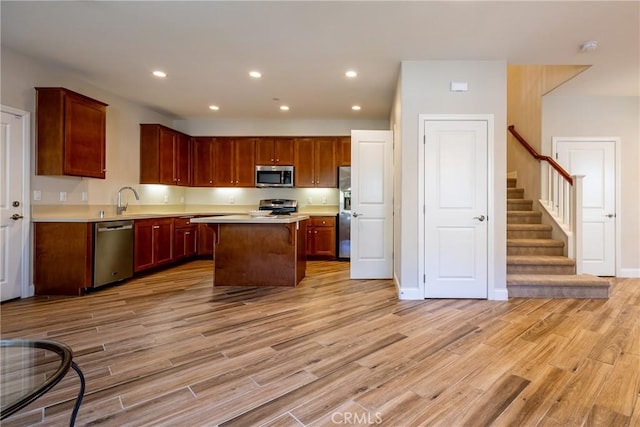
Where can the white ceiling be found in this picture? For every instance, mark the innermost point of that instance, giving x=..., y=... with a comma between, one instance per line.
x=303, y=48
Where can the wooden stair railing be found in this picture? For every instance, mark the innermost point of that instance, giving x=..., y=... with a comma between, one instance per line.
x=563, y=198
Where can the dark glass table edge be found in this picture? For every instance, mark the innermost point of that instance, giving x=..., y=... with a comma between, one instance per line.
x=66, y=362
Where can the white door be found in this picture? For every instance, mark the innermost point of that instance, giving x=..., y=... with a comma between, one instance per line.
x=14, y=255
x=595, y=159
x=371, y=204
x=456, y=208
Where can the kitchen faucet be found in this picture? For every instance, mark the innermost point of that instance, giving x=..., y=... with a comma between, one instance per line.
x=119, y=207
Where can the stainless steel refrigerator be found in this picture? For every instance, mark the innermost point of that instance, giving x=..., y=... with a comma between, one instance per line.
x=344, y=217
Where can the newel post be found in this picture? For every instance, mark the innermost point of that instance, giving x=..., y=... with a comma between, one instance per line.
x=576, y=219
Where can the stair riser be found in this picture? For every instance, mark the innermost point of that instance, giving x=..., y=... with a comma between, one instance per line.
x=528, y=234
x=524, y=219
x=511, y=182
x=535, y=250
x=538, y=291
x=516, y=205
x=515, y=193
x=541, y=269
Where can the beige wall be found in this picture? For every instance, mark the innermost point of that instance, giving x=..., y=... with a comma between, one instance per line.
x=602, y=116
x=425, y=89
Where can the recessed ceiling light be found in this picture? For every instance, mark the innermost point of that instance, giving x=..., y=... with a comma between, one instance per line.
x=214, y=107
x=255, y=74
x=356, y=108
x=160, y=74
x=284, y=107
x=351, y=73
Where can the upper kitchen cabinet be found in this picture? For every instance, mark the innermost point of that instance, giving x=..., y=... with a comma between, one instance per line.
x=234, y=162
x=202, y=149
x=70, y=133
x=165, y=156
x=274, y=151
x=315, y=162
x=344, y=151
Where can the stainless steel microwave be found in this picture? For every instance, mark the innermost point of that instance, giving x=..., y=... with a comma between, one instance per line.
x=274, y=176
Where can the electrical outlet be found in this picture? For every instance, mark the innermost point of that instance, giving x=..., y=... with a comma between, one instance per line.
x=324, y=200
x=232, y=199
x=310, y=200
x=166, y=198
x=85, y=196
x=37, y=195
x=182, y=199
x=63, y=196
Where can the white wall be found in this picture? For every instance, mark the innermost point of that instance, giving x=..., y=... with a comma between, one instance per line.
x=426, y=89
x=21, y=74
x=396, y=126
x=598, y=116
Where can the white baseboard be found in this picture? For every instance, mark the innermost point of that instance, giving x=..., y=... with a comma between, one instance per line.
x=629, y=272
x=500, y=295
x=410, y=294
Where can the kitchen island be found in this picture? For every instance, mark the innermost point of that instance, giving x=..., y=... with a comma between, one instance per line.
x=258, y=251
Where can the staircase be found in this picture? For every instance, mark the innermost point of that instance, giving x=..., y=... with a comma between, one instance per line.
x=536, y=266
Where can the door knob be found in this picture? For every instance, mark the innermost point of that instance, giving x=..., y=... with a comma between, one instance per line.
x=479, y=218
x=355, y=214
x=610, y=215
x=16, y=217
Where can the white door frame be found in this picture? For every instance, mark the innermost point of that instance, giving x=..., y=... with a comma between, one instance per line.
x=27, y=288
x=617, y=177
x=489, y=118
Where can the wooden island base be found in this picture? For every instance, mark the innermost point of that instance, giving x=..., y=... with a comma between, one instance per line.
x=265, y=254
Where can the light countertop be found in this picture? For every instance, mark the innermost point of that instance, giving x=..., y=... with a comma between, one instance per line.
x=83, y=213
x=248, y=219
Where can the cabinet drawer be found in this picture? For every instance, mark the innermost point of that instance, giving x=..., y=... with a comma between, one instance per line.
x=182, y=222
x=323, y=221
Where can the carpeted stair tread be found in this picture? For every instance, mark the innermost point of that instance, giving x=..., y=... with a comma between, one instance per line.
x=515, y=193
x=535, y=242
x=511, y=182
x=557, y=286
x=539, y=259
x=526, y=227
x=556, y=279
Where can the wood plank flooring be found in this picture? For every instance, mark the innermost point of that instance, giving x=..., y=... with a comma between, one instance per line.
x=168, y=349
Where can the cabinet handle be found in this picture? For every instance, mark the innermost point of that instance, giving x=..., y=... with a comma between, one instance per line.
x=187, y=233
x=156, y=226
x=272, y=160
x=210, y=182
x=277, y=160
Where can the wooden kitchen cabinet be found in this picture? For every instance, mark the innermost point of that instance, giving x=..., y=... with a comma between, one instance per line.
x=185, y=243
x=206, y=240
x=165, y=156
x=153, y=243
x=70, y=133
x=63, y=258
x=321, y=237
x=344, y=151
x=274, y=151
x=315, y=162
x=203, y=164
x=234, y=162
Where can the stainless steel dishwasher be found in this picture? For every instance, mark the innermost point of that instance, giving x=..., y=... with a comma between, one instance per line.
x=112, y=252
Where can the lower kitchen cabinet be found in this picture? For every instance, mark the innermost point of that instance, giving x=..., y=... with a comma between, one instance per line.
x=185, y=243
x=321, y=237
x=153, y=243
x=63, y=257
x=206, y=240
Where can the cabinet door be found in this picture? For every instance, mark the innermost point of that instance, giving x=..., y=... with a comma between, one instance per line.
x=304, y=162
x=325, y=241
x=244, y=162
x=310, y=239
x=166, y=149
x=185, y=243
x=283, y=151
x=203, y=162
x=265, y=151
x=183, y=160
x=163, y=241
x=191, y=241
x=143, y=245
x=223, y=163
x=344, y=151
x=326, y=169
x=84, y=137
x=206, y=239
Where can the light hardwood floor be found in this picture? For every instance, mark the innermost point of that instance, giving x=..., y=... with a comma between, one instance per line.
x=168, y=349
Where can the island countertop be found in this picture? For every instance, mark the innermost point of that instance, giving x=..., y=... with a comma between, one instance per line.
x=247, y=219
